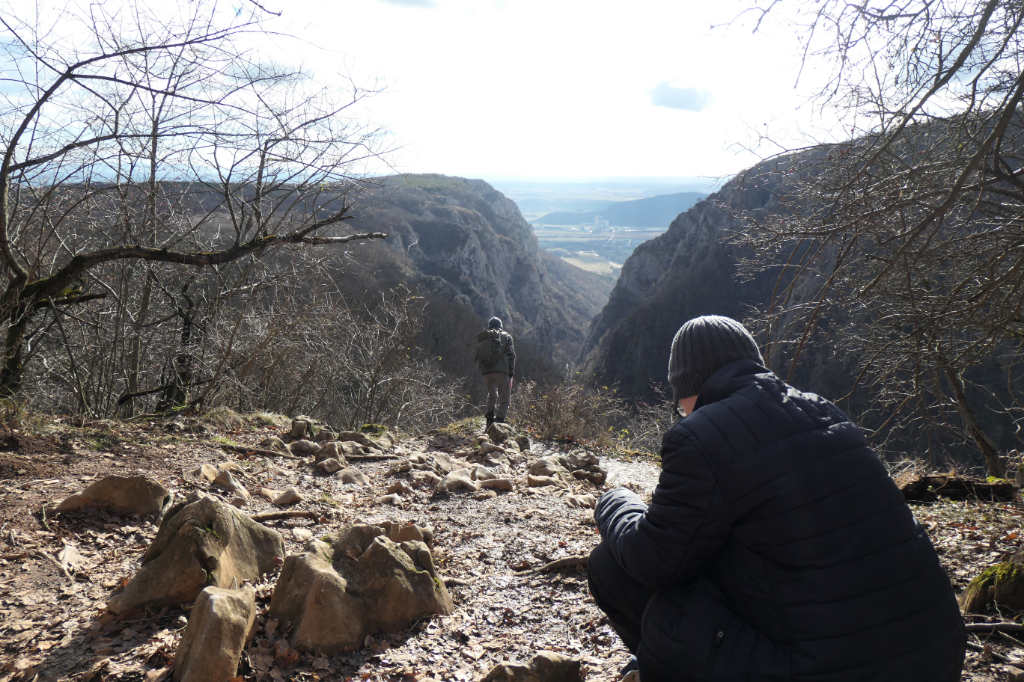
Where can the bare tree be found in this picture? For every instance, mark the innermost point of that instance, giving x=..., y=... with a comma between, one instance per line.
x=137, y=140
x=902, y=246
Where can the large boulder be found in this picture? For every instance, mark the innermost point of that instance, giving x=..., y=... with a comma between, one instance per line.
x=120, y=495
x=546, y=666
x=1002, y=584
x=214, y=638
x=356, y=582
x=201, y=542
x=499, y=432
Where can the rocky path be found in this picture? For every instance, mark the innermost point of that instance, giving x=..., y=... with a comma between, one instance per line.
x=58, y=571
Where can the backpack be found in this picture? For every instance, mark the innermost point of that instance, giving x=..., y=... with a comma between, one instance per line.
x=488, y=347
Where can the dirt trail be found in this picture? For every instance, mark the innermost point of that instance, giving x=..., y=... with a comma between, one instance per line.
x=50, y=622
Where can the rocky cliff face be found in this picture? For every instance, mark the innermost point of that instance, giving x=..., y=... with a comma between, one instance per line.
x=685, y=272
x=467, y=241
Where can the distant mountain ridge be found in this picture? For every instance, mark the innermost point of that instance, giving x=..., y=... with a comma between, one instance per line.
x=657, y=211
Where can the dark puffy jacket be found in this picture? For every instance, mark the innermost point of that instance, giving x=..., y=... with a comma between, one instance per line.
x=774, y=524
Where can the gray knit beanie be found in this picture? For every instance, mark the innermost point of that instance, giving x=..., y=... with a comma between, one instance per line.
x=494, y=323
x=703, y=346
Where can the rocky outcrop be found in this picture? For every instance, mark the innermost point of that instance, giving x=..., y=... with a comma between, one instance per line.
x=355, y=582
x=686, y=272
x=120, y=495
x=470, y=244
x=212, y=643
x=201, y=542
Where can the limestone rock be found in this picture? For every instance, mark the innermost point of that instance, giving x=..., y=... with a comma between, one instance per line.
x=326, y=434
x=211, y=645
x=201, y=542
x=269, y=493
x=460, y=479
x=289, y=496
x=305, y=448
x=120, y=495
x=547, y=466
x=499, y=432
x=385, y=441
x=480, y=473
x=399, y=533
x=329, y=466
x=332, y=450
x=233, y=467
x=523, y=441
x=595, y=474
x=207, y=471
x=227, y=481
x=1002, y=583
x=424, y=479
x=487, y=448
x=301, y=428
x=400, y=487
x=393, y=499
x=541, y=481
x=581, y=501
x=275, y=443
x=497, y=484
x=435, y=462
x=353, y=475
x=302, y=534
x=360, y=438
x=354, y=583
x=546, y=666
x=484, y=495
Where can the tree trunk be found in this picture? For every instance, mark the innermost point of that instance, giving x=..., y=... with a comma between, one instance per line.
x=984, y=443
x=183, y=365
x=13, y=363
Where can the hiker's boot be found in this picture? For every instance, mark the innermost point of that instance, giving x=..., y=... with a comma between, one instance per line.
x=490, y=419
x=499, y=420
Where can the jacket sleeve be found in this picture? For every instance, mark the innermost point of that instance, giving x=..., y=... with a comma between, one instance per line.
x=680, y=534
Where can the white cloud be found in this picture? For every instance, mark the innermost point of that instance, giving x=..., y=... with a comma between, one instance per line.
x=672, y=97
x=412, y=3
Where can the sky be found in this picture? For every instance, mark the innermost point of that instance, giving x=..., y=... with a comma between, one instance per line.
x=563, y=89
x=559, y=89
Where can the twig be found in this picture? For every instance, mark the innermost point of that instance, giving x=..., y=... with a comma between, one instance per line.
x=45, y=524
x=55, y=563
x=14, y=557
x=274, y=516
x=994, y=627
x=456, y=582
x=559, y=563
x=370, y=458
x=245, y=449
x=978, y=647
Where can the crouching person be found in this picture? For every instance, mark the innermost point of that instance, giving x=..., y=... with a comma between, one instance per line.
x=776, y=547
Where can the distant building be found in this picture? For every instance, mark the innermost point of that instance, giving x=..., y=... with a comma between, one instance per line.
x=599, y=225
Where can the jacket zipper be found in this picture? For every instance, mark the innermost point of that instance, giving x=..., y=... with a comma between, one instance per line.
x=713, y=655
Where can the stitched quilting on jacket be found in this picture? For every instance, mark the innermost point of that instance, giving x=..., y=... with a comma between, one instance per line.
x=781, y=549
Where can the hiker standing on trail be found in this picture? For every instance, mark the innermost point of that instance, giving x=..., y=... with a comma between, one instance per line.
x=776, y=546
x=497, y=360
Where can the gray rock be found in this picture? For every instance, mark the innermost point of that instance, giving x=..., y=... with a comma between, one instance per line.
x=289, y=496
x=400, y=487
x=484, y=494
x=329, y=466
x=332, y=450
x=497, y=484
x=275, y=443
x=301, y=429
x=211, y=645
x=499, y=432
x=581, y=501
x=354, y=583
x=393, y=499
x=546, y=666
x=207, y=471
x=305, y=448
x=226, y=481
x=120, y=495
x=523, y=442
x=458, y=480
x=201, y=542
x=353, y=475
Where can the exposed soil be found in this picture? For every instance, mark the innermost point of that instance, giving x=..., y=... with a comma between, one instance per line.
x=51, y=618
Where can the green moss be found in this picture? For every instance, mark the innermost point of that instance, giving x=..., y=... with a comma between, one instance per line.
x=375, y=429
